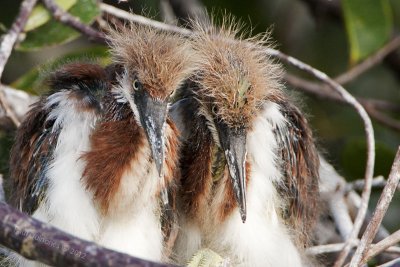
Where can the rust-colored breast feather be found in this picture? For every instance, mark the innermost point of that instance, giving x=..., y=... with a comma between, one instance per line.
x=114, y=145
x=300, y=166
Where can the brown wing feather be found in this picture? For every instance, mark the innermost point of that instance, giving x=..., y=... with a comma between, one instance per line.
x=300, y=167
x=29, y=159
x=36, y=138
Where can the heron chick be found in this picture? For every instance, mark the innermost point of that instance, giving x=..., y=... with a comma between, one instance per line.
x=249, y=166
x=97, y=156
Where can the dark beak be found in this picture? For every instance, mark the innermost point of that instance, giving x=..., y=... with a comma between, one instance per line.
x=153, y=114
x=233, y=142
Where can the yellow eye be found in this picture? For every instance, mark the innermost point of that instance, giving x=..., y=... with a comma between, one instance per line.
x=136, y=84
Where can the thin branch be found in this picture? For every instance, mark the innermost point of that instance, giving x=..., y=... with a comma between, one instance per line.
x=383, y=118
x=17, y=102
x=7, y=110
x=370, y=105
x=9, y=39
x=329, y=248
x=382, y=246
x=377, y=182
x=42, y=242
x=74, y=22
x=368, y=63
x=143, y=20
x=380, y=211
x=336, y=247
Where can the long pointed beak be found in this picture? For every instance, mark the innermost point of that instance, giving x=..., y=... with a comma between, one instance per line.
x=153, y=114
x=233, y=143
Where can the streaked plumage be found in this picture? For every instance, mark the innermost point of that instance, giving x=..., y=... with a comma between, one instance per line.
x=248, y=155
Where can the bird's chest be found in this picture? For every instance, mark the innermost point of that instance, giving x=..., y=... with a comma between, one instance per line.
x=138, y=186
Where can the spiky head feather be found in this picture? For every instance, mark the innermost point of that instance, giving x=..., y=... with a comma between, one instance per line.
x=160, y=60
x=235, y=74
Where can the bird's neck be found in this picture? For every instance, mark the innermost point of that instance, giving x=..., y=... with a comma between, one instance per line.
x=205, y=175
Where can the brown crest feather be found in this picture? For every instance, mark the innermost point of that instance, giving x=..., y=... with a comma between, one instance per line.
x=160, y=60
x=235, y=74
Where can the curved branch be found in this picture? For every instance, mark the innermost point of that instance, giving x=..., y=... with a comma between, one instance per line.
x=41, y=242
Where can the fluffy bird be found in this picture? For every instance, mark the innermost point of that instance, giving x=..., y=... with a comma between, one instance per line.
x=97, y=156
x=132, y=165
x=249, y=185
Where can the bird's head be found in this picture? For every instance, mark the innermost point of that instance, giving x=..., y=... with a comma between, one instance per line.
x=235, y=78
x=153, y=65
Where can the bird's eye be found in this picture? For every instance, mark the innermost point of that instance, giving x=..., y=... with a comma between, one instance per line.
x=136, y=84
x=214, y=110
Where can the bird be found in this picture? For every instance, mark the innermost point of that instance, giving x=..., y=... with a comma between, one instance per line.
x=249, y=165
x=131, y=168
x=97, y=156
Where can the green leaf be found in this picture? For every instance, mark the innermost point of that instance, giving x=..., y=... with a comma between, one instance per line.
x=368, y=24
x=40, y=15
x=32, y=81
x=55, y=33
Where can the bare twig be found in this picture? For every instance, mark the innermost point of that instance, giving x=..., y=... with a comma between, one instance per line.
x=333, y=248
x=383, y=118
x=357, y=185
x=143, y=20
x=41, y=242
x=18, y=103
x=380, y=211
x=329, y=248
x=7, y=110
x=372, y=106
x=74, y=22
x=9, y=39
x=369, y=62
x=382, y=245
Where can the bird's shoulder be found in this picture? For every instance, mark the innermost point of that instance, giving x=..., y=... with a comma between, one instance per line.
x=74, y=88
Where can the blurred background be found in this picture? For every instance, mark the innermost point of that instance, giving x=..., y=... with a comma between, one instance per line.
x=332, y=36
